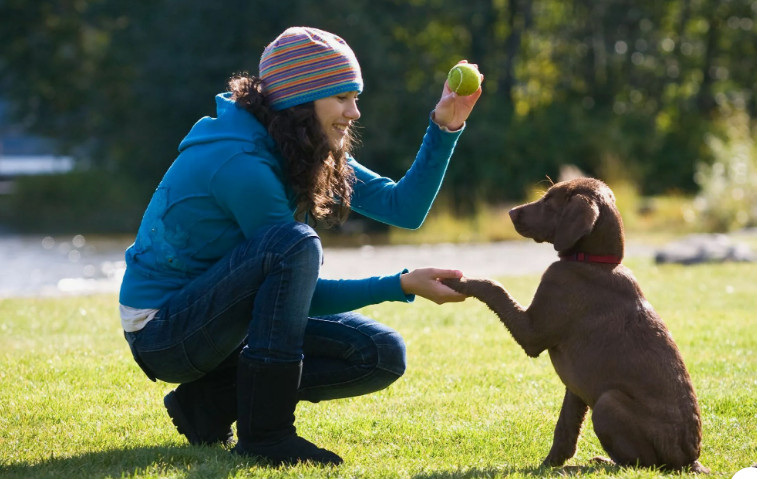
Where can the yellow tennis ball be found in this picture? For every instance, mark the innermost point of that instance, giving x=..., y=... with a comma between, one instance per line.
x=464, y=79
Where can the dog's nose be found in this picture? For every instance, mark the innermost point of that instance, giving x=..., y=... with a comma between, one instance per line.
x=514, y=213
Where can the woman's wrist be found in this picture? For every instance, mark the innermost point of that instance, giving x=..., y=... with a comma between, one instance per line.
x=445, y=127
x=404, y=282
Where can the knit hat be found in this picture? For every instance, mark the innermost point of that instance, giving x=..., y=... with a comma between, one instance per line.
x=305, y=64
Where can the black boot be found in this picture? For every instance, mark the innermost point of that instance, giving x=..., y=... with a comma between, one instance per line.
x=204, y=410
x=267, y=398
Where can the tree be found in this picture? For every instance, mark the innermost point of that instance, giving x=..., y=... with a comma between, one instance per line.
x=599, y=84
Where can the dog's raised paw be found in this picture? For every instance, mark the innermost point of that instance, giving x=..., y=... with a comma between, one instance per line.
x=458, y=284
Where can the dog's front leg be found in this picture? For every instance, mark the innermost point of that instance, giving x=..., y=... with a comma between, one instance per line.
x=567, y=430
x=510, y=312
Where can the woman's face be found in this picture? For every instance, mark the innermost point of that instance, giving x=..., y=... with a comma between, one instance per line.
x=336, y=114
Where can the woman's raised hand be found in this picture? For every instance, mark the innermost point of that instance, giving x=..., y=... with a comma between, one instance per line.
x=452, y=109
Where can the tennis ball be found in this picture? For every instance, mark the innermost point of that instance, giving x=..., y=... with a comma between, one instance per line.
x=464, y=79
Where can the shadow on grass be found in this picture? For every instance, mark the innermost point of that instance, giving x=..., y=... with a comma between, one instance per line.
x=540, y=471
x=186, y=461
x=193, y=462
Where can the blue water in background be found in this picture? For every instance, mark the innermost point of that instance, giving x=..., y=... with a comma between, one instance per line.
x=46, y=265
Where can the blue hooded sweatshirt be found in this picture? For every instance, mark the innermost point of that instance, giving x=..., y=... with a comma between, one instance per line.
x=228, y=182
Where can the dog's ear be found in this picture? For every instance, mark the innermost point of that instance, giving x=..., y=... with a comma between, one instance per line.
x=576, y=221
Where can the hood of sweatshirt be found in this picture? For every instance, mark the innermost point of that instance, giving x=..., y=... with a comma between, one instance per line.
x=231, y=123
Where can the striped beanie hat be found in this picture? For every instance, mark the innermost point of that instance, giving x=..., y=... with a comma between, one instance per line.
x=305, y=64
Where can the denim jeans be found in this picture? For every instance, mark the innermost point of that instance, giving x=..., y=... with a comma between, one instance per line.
x=257, y=298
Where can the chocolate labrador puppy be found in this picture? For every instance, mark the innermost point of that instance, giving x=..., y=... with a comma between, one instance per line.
x=606, y=342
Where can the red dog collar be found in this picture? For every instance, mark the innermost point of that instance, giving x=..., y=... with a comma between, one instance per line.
x=591, y=258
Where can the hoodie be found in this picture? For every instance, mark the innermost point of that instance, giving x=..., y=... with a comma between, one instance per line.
x=228, y=181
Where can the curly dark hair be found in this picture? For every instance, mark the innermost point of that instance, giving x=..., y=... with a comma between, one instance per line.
x=317, y=173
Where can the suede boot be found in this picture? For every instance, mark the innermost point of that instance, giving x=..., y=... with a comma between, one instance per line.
x=267, y=398
x=204, y=410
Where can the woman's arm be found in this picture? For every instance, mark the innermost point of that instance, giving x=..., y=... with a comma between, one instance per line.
x=339, y=295
x=407, y=202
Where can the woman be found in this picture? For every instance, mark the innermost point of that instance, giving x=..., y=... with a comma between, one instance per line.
x=221, y=292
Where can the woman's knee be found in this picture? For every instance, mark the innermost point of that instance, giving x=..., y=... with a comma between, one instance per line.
x=359, y=341
x=293, y=244
x=392, y=356
x=300, y=239
x=296, y=229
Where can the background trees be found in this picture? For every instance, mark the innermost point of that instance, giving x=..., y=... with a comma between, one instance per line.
x=615, y=87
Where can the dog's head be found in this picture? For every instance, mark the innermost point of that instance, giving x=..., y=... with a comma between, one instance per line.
x=575, y=215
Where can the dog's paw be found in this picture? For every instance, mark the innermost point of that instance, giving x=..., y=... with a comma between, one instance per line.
x=458, y=284
x=602, y=460
x=551, y=462
x=697, y=468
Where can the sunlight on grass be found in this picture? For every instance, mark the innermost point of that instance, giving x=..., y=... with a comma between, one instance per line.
x=471, y=405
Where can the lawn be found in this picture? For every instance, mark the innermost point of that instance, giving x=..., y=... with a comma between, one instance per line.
x=73, y=404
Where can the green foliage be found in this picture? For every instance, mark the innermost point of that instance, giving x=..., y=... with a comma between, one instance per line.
x=728, y=186
x=567, y=82
x=77, y=202
x=74, y=404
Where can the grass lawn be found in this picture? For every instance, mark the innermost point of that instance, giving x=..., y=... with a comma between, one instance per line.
x=73, y=404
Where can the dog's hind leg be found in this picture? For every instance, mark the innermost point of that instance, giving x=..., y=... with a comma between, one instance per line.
x=622, y=431
x=567, y=430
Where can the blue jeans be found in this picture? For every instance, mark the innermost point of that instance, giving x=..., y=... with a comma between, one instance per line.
x=257, y=299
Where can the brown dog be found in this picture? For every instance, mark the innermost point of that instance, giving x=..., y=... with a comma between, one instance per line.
x=606, y=342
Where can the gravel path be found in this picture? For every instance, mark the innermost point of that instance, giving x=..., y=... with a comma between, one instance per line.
x=485, y=259
x=506, y=258
x=44, y=266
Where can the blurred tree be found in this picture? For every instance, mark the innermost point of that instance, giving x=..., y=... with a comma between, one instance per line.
x=629, y=86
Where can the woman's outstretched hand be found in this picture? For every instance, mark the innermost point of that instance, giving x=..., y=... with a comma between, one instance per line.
x=452, y=109
x=426, y=282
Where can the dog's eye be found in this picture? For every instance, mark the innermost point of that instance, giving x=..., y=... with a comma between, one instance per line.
x=549, y=204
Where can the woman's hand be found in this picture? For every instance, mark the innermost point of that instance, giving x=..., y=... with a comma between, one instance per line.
x=453, y=109
x=426, y=282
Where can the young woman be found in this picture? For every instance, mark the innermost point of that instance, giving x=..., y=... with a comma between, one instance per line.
x=222, y=291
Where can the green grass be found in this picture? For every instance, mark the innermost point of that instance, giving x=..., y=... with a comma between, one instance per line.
x=74, y=405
